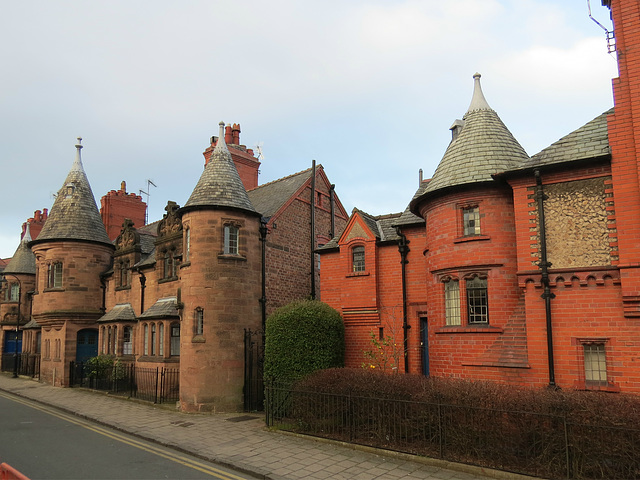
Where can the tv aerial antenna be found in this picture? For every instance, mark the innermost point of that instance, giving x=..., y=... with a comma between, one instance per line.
x=610, y=35
x=258, y=149
x=148, y=194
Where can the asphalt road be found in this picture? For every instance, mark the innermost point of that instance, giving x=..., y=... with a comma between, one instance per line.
x=45, y=443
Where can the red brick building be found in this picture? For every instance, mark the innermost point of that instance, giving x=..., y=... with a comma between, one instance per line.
x=505, y=267
x=179, y=293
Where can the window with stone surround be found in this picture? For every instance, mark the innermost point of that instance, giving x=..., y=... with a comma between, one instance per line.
x=125, y=273
x=14, y=296
x=146, y=340
x=477, y=300
x=466, y=299
x=161, y=339
x=187, y=244
x=452, y=301
x=595, y=364
x=54, y=277
x=231, y=234
x=471, y=221
x=153, y=339
x=199, y=323
x=358, y=259
x=127, y=341
x=175, y=340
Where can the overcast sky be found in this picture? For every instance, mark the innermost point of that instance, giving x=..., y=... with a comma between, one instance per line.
x=367, y=88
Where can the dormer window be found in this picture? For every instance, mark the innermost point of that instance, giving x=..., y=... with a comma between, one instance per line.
x=125, y=274
x=357, y=254
x=69, y=190
x=169, y=265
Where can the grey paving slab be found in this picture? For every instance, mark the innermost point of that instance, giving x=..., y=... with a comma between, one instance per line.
x=246, y=445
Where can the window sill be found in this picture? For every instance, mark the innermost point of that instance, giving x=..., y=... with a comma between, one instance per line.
x=358, y=274
x=166, y=280
x=124, y=287
x=610, y=387
x=54, y=289
x=469, y=329
x=471, y=238
x=198, y=339
x=229, y=256
x=185, y=264
x=158, y=359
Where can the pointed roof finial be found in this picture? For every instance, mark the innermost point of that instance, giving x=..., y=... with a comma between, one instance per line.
x=221, y=142
x=77, y=164
x=478, y=102
x=220, y=185
x=27, y=233
x=74, y=214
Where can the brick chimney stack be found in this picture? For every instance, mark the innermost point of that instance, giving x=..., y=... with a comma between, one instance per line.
x=246, y=163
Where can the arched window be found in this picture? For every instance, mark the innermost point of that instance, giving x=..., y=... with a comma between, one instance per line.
x=127, y=344
x=358, y=263
x=146, y=339
x=452, y=301
x=168, y=265
x=477, y=300
x=153, y=339
x=161, y=339
x=199, y=323
x=175, y=339
x=187, y=244
x=125, y=273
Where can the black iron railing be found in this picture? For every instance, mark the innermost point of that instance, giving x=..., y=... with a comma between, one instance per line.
x=28, y=364
x=157, y=385
x=543, y=445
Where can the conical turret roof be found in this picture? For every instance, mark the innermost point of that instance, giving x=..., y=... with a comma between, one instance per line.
x=74, y=214
x=23, y=261
x=484, y=147
x=220, y=185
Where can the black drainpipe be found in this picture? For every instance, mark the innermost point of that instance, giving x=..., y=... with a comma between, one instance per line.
x=313, y=230
x=263, y=299
x=143, y=282
x=332, y=200
x=103, y=286
x=544, y=265
x=403, y=248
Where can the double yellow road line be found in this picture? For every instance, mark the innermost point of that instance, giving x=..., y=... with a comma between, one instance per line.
x=142, y=445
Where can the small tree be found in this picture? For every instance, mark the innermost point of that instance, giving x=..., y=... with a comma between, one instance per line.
x=303, y=337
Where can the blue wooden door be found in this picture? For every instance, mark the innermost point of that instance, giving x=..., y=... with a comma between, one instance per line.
x=86, y=345
x=10, y=343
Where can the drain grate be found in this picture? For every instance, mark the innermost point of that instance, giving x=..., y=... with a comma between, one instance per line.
x=242, y=418
x=181, y=423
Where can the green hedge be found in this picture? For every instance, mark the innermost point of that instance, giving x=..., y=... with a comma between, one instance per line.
x=301, y=338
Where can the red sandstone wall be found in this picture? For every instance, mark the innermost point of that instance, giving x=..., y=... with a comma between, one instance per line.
x=228, y=290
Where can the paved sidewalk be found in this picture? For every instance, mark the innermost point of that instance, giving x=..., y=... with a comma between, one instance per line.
x=246, y=444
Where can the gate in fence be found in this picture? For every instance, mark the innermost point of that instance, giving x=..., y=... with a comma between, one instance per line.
x=253, y=369
x=28, y=364
x=157, y=385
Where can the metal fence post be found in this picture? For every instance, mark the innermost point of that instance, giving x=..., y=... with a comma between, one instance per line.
x=566, y=446
x=440, y=431
x=156, y=397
